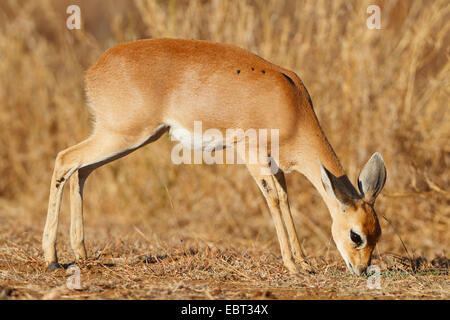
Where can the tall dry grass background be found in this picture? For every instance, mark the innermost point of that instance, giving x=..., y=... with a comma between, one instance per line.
x=373, y=90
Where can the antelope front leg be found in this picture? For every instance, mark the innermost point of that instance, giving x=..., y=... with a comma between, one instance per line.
x=268, y=187
x=281, y=186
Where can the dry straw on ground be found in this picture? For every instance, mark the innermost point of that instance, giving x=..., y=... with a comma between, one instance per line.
x=373, y=90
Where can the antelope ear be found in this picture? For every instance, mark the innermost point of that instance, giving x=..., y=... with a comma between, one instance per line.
x=372, y=178
x=338, y=188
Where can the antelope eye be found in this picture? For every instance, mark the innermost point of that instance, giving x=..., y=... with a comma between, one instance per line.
x=356, y=238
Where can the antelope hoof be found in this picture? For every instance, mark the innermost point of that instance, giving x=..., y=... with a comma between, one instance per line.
x=80, y=255
x=53, y=266
x=306, y=267
x=291, y=266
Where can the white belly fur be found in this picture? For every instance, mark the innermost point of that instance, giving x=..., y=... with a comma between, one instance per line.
x=208, y=140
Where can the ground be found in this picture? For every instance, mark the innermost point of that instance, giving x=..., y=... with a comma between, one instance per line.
x=125, y=263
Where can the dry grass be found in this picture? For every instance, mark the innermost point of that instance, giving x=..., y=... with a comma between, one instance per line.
x=131, y=262
x=373, y=90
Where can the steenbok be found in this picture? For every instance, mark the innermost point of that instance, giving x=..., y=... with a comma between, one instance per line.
x=137, y=91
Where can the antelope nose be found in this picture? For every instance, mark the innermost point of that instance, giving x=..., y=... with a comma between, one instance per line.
x=360, y=269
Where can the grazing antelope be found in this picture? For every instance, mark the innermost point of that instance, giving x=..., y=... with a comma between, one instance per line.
x=137, y=91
